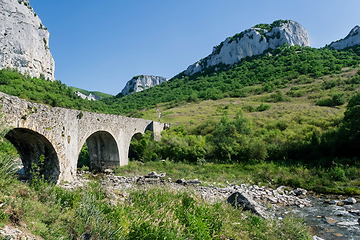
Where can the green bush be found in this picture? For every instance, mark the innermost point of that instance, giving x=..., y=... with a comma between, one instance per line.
x=336, y=100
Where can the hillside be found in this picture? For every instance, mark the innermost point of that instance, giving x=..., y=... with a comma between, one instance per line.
x=272, y=70
x=87, y=93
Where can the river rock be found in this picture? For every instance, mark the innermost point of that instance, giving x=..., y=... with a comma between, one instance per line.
x=317, y=238
x=188, y=182
x=350, y=201
x=354, y=212
x=300, y=192
x=330, y=202
x=330, y=220
x=244, y=200
x=108, y=171
x=155, y=175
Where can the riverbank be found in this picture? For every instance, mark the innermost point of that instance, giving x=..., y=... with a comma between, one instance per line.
x=93, y=208
x=337, y=180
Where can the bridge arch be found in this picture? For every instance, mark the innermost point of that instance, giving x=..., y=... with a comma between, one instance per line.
x=31, y=146
x=132, y=152
x=103, y=151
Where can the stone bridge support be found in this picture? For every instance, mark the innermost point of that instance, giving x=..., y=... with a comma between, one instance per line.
x=58, y=135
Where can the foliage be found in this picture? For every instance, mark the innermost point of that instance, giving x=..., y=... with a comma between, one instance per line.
x=352, y=118
x=53, y=212
x=87, y=93
x=8, y=165
x=143, y=148
x=336, y=100
x=55, y=94
x=240, y=80
x=84, y=157
x=286, y=64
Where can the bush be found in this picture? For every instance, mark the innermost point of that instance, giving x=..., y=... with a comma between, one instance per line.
x=263, y=107
x=336, y=100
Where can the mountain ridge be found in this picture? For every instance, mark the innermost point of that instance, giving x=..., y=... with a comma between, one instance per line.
x=352, y=39
x=253, y=41
x=142, y=82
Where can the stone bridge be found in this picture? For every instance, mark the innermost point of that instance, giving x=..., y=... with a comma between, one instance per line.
x=59, y=134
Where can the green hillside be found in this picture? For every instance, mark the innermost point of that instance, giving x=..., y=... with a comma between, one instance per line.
x=87, y=93
x=55, y=94
x=275, y=69
x=286, y=106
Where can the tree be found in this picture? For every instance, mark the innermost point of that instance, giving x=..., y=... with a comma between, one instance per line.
x=352, y=118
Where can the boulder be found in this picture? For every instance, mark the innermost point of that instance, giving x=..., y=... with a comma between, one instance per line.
x=300, y=192
x=350, y=201
x=245, y=201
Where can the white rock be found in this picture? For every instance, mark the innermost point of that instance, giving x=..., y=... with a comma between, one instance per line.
x=353, y=38
x=317, y=238
x=253, y=41
x=350, y=200
x=90, y=97
x=24, y=41
x=142, y=82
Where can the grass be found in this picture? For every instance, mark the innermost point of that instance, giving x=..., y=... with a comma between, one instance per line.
x=52, y=212
x=336, y=180
x=302, y=94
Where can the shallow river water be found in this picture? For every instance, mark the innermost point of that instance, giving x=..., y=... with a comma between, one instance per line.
x=329, y=221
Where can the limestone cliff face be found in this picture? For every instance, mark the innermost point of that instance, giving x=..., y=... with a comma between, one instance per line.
x=88, y=97
x=353, y=38
x=253, y=41
x=24, y=41
x=139, y=83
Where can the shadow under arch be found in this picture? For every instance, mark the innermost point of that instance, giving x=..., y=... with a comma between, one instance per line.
x=30, y=146
x=132, y=155
x=103, y=151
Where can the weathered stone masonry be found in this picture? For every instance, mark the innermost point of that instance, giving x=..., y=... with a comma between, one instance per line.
x=59, y=134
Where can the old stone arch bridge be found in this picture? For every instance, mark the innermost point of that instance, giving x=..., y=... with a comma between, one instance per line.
x=59, y=134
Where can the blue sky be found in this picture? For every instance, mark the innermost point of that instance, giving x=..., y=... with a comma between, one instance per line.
x=100, y=45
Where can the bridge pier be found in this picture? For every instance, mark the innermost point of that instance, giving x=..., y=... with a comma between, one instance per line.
x=58, y=134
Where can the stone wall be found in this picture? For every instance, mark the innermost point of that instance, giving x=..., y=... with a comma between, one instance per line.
x=59, y=134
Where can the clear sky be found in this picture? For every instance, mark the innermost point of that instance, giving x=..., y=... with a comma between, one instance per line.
x=100, y=45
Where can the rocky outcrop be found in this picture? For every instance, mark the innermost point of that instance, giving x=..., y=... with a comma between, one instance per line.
x=24, y=41
x=89, y=97
x=352, y=39
x=253, y=41
x=142, y=82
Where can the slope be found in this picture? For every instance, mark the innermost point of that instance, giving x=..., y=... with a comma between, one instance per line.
x=253, y=75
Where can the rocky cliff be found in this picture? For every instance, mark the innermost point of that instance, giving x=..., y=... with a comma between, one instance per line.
x=88, y=97
x=24, y=41
x=139, y=83
x=353, y=38
x=253, y=41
